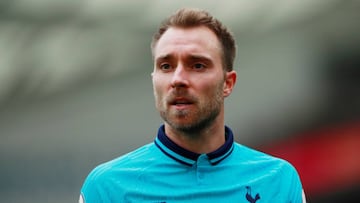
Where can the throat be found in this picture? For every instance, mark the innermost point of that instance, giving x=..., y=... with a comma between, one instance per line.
x=201, y=142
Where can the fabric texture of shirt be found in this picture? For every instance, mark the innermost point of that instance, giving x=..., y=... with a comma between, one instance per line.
x=163, y=172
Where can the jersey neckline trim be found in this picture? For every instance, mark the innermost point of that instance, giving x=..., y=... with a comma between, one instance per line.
x=184, y=156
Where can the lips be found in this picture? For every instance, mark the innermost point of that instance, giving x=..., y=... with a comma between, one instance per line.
x=179, y=101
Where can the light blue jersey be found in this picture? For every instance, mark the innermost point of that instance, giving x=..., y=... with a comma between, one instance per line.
x=164, y=172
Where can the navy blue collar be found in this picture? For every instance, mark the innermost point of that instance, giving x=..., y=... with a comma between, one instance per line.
x=189, y=158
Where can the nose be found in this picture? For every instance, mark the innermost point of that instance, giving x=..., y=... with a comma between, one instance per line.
x=180, y=77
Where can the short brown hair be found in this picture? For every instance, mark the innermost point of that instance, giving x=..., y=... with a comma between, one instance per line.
x=190, y=17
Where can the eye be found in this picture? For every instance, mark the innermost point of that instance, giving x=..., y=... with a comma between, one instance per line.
x=165, y=66
x=199, y=66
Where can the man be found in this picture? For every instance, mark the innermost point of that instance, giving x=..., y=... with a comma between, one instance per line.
x=194, y=157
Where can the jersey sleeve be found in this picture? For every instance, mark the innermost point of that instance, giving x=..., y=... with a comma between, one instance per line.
x=94, y=189
x=296, y=193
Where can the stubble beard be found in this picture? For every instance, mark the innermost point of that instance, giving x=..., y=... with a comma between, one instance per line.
x=196, y=121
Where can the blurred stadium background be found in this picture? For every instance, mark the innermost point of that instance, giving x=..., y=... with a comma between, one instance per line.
x=75, y=89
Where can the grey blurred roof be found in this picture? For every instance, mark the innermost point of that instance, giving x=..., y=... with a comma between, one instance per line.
x=47, y=46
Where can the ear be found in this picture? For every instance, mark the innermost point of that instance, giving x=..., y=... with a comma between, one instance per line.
x=229, y=83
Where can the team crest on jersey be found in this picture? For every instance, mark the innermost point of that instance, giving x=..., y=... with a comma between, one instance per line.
x=250, y=197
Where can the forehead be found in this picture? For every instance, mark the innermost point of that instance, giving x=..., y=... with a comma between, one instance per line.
x=195, y=39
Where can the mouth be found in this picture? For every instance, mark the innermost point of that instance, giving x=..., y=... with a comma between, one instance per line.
x=181, y=102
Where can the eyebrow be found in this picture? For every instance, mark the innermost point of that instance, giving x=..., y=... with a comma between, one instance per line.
x=164, y=57
x=196, y=57
x=193, y=57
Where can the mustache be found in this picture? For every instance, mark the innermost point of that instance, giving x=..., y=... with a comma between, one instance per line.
x=180, y=95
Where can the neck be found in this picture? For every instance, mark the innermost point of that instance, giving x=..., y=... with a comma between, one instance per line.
x=204, y=141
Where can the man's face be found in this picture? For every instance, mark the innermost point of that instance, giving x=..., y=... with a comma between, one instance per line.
x=188, y=78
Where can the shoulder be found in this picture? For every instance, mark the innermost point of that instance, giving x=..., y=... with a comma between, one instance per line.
x=268, y=164
x=116, y=174
x=123, y=163
x=262, y=159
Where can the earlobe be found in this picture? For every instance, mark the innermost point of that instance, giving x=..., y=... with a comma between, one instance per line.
x=230, y=80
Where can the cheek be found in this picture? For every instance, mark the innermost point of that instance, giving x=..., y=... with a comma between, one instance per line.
x=158, y=89
x=155, y=83
x=160, y=83
x=213, y=88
